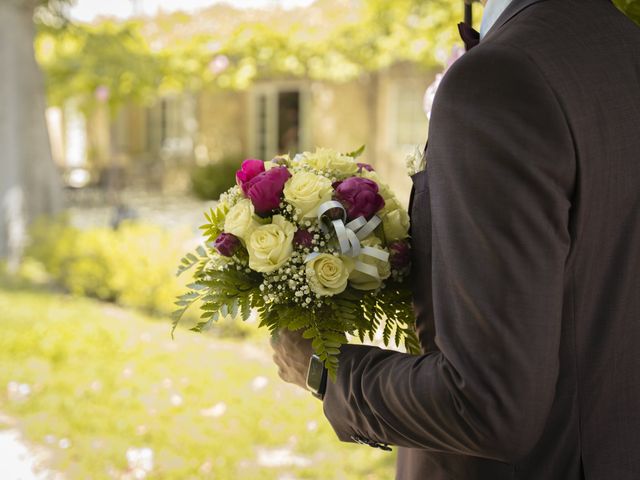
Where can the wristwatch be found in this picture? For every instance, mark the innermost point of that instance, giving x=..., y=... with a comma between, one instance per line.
x=317, y=377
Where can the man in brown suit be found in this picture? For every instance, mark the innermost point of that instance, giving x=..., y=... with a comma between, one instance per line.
x=526, y=234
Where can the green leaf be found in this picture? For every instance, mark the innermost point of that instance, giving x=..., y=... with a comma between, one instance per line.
x=357, y=153
x=310, y=333
x=245, y=307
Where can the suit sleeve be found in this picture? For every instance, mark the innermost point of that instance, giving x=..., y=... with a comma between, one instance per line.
x=501, y=176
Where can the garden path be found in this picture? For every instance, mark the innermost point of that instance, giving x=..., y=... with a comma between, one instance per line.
x=19, y=460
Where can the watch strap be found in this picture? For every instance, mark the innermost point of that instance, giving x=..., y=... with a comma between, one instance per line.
x=317, y=377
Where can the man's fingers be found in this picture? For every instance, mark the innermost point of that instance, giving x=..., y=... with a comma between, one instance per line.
x=276, y=360
x=275, y=338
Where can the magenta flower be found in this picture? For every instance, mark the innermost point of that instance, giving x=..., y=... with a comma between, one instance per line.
x=227, y=244
x=303, y=238
x=365, y=166
x=400, y=254
x=359, y=196
x=265, y=189
x=248, y=171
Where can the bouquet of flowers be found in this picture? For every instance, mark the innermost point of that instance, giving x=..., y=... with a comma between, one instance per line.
x=316, y=243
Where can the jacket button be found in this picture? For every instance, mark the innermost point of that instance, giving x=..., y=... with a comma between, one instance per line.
x=382, y=446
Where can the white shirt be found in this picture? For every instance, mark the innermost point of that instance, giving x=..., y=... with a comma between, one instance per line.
x=492, y=11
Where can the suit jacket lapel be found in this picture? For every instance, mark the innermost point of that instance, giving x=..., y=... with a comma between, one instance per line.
x=514, y=8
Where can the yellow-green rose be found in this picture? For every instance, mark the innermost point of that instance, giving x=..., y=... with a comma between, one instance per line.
x=362, y=281
x=270, y=246
x=280, y=161
x=395, y=221
x=327, y=159
x=328, y=274
x=307, y=191
x=241, y=220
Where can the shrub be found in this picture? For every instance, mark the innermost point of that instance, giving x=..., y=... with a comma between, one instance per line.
x=209, y=181
x=133, y=266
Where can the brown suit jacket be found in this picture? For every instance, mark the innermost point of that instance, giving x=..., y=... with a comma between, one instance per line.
x=526, y=231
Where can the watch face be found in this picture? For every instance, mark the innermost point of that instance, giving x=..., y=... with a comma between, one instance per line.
x=315, y=374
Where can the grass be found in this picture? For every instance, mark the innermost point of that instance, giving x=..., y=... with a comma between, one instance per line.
x=103, y=381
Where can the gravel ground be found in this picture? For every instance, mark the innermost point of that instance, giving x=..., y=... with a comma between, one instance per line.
x=20, y=461
x=166, y=211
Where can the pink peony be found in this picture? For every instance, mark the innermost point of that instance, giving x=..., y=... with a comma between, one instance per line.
x=265, y=189
x=303, y=238
x=359, y=196
x=365, y=166
x=400, y=254
x=227, y=244
x=248, y=171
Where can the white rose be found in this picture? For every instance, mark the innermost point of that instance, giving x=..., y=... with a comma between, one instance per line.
x=307, y=191
x=362, y=281
x=395, y=220
x=326, y=159
x=328, y=274
x=241, y=220
x=270, y=246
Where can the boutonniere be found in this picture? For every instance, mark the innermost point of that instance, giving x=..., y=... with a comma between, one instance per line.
x=416, y=161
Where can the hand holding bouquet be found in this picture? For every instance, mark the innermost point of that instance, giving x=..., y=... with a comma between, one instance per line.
x=315, y=243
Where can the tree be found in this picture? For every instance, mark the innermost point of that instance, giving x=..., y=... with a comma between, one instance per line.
x=139, y=60
x=29, y=183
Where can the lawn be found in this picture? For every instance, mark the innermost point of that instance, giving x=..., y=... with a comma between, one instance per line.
x=114, y=397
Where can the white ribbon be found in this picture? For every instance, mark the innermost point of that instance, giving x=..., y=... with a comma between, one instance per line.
x=350, y=237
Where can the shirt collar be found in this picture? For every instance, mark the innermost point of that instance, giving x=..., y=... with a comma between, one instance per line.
x=492, y=12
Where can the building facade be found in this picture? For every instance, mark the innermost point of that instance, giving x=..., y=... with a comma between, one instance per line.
x=155, y=147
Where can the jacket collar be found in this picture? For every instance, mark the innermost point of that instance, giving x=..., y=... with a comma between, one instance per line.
x=514, y=8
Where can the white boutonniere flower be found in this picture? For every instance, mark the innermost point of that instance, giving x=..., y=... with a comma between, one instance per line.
x=414, y=161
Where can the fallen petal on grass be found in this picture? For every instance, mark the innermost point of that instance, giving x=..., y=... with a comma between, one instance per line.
x=259, y=383
x=216, y=411
x=280, y=457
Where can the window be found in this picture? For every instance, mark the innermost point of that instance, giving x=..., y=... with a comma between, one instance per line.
x=288, y=122
x=262, y=123
x=174, y=113
x=409, y=127
x=278, y=120
x=172, y=126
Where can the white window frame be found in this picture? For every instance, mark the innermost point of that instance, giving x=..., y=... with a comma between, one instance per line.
x=271, y=90
x=397, y=85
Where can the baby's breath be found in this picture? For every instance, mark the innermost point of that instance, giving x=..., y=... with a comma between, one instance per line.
x=232, y=196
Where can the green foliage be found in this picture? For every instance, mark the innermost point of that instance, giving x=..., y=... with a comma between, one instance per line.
x=228, y=292
x=221, y=292
x=357, y=153
x=215, y=223
x=352, y=41
x=191, y=260
x=79, y=59
x=631, y=8
x=210, y=181
x=108, y=380
x=132, y=266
